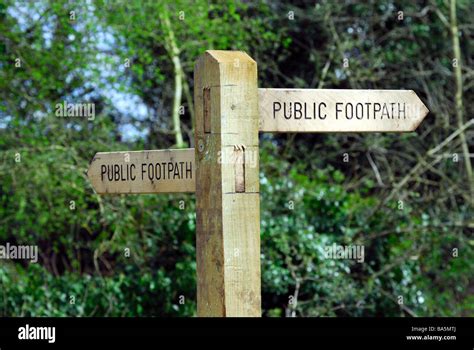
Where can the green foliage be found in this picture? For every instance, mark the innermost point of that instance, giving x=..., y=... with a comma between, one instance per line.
x=132, y=292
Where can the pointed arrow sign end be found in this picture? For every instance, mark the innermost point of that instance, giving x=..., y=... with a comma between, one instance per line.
x=422, y=112
x=89, y=168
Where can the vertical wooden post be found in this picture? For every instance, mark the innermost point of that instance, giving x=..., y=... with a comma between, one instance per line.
x=227, y=185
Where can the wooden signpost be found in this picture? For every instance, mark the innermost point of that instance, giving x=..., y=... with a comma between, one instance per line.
x=165, y=171
x=227, y=195
x=312, y=110
x=223, y=169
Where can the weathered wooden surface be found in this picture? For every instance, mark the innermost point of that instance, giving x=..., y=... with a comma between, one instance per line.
x=143, y=171
x=227, y=196
x=312, y=110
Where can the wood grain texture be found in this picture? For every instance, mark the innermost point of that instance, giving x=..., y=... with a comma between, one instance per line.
x=325, y=110
x=160, y=171
x=227, y=195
